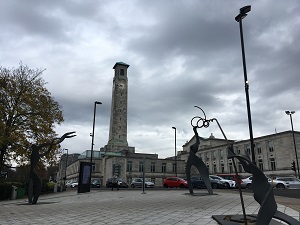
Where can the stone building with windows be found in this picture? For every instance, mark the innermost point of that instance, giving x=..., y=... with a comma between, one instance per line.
x=274, y=153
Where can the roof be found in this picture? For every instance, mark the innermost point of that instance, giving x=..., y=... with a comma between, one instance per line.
x=120, y=63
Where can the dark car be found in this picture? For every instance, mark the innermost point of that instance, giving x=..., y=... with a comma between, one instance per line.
x=198, y=182
x=121, y=183
x=96, y=184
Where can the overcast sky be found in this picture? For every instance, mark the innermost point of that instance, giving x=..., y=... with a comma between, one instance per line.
x=181, y=54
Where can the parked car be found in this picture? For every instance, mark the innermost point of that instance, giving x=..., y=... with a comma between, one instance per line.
x=227, y=183
x=121, y=183
x=174, y=182
x=234, y=177
x=71, y=184
x=198, y=182
x=293, y=182
x=247, y=182
x=95, y=184
x=138, y=182
x=279, y=183
x=74, y=184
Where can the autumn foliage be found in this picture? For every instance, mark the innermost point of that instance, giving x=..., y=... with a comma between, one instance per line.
x=28, y=114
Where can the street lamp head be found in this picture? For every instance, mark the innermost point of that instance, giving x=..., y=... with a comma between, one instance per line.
x=174, y=128
x=245, y=9
x=289, y=112
x=243, y=13
x=96, y=102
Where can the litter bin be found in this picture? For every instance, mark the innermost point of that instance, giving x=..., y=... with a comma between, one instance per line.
x=21, y=192
x=14, y=192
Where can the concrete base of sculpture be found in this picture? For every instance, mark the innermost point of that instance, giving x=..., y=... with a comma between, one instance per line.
x=199, y=194
x=251, y=219
x=239, y=219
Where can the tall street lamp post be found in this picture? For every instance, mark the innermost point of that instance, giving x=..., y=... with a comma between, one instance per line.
x=92, y=147
x=239, y=18
x=175, y=153
x=66, y=160
x=290, y=113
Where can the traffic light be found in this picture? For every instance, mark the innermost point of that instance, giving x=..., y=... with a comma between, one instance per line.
x=293, y=166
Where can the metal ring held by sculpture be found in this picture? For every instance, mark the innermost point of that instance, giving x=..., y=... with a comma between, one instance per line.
x=199, y=118
x=206, y=123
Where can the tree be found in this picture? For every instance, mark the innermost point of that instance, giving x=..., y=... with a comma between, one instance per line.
x=28, y=114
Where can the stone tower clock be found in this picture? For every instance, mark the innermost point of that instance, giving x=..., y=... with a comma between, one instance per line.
x=117, y=140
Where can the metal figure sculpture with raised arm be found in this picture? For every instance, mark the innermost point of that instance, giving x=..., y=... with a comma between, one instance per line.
x=194, y=160
x=35, y=185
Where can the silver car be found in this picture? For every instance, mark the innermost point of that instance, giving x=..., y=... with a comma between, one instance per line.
x=138, y=182
x=247, y=182
x=227, y=183
x=293, y=182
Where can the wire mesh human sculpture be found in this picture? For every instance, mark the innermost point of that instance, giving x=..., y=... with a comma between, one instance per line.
x=35, y=184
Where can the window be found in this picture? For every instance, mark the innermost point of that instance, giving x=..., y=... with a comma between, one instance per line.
x=261, y=165
x=221, y=154
x=129, y=166
x=240, y=168
x=258, y=148
x=206, y=156
x=273, y=164
x=174, y=168
x=122, y=72
x=93, y=168
x=164, y=168
x=230, y=167
x=270, y=146
x=247, y=150
x=213, y=155
x=215, y=168
x=141, y=167
x=237, y=150
x=152, y=167
x=222, y=168
x=153, y=180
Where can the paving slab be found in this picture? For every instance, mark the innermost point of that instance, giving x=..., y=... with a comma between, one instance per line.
x=129, y=207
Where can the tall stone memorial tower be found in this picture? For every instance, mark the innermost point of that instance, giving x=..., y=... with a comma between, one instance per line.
x=117, y=140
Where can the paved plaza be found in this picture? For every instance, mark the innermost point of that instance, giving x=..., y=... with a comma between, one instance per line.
x=102, y=206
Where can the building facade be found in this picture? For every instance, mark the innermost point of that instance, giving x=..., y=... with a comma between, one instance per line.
x=274, y=153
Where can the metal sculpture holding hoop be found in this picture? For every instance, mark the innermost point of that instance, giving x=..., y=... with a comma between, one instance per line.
x=35, y=184
x=194, y=160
